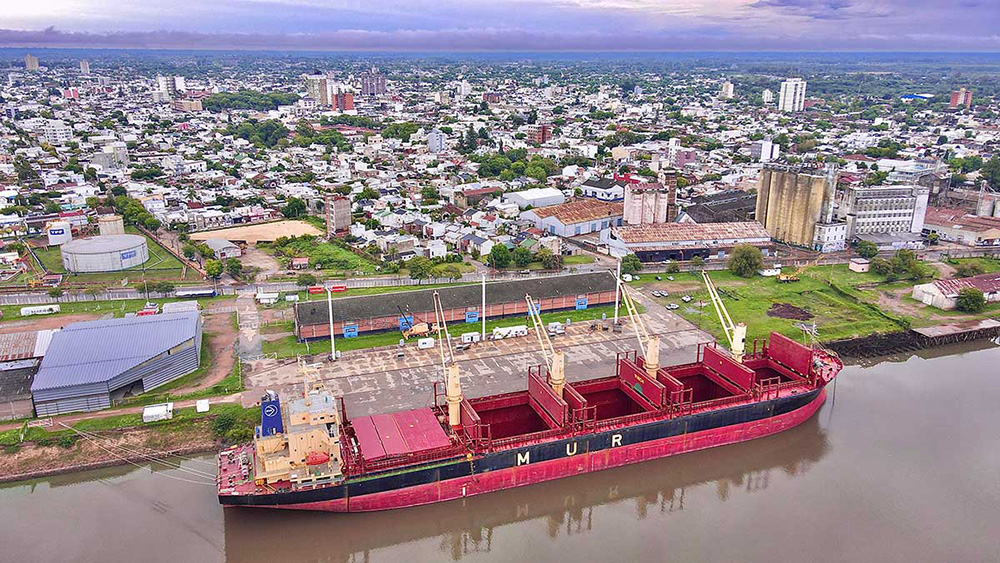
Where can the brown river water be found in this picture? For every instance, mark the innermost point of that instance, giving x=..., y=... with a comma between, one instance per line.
x=901, y=464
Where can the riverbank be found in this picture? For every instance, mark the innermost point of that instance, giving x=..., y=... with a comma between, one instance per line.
x=30, y=453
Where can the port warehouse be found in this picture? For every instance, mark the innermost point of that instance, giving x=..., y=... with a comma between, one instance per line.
x=373, y=313
x=89, y=365
x=20, y=354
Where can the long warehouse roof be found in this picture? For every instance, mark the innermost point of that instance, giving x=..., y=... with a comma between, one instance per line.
x=421, y=301
x=96, y=351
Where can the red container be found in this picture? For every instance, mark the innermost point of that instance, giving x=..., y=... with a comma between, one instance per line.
x=316, y=289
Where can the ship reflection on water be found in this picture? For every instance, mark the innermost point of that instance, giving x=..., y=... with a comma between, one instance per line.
x=564, y=507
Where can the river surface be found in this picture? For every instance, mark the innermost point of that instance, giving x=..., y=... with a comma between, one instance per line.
x=901, y=464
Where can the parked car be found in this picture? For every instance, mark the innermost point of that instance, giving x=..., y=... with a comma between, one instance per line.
x=673, y=306
x=686, y=299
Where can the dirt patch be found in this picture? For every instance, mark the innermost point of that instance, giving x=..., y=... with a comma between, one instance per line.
x=789, y=311
x=27, y=324
x=253, y=257
x=32, y=460
x=221, y=346
x=252, y=234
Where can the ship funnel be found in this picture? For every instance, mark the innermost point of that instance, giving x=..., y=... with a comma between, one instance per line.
x=270, y=414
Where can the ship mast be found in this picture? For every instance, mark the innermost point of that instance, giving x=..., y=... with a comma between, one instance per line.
x=650, y=343
x=554, y=359
x=453, y=383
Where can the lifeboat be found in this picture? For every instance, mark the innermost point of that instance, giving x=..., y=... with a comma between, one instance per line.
x=317, y=458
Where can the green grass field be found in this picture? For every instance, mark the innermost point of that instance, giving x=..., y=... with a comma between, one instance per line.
x=837, y=314
x=288, y=347
x=117, y=308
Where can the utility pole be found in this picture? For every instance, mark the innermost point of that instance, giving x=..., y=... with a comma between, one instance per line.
x=329, y=308
x=618, y=286
x=482, y=313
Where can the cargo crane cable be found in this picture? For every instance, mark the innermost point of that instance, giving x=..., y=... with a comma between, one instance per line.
x=736, y=333
x=555, y=360
x=648, y=343
x=452, y=379
x=170, y=465
x=96, y=439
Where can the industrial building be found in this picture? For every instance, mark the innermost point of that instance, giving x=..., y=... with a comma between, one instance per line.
x=536, y=197
x=20, y=353
x=90, y=365
x=109, y=253
x=338, y=214
x=650, y=203
x=223, y=249
x=943, y=294
x=883, y=209
x=954, y=225
x=463, y=304
x=683, y=241
x=576, y=217
x=795, y=205
x=723, y=207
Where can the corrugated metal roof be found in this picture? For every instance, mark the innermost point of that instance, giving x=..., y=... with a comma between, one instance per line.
x=987, y=283
x=683, y=232
x=96, y=351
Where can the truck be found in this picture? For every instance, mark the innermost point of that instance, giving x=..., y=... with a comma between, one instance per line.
x=39, y=310
x=502, y=332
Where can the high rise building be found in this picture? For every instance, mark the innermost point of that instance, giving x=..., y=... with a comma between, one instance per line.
x=338, y=214
x=344, y=101
x=767, y=96
x=30, y=62
x=765, y=150
x=318, y=88
x=792, y=96
x=961, y=97
x=372, y=83
x=539, y=133
x=728, y=91
x=84, y=67
x=167, y=85
x=795, y=205
x=56, y=132
x=437, y=141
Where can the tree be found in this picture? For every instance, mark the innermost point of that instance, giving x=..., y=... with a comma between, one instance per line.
x=696, y=263
x=991, y=172
x=189, y=251
x=55, y=292
x=549, y=260
x=867, y=249
x=419, y=267
x=746, y=260
x=304, y=280
x=213, y=268
x=451, y=272
x=631, y=264
x=522, y=257
x=968, y=269
x=499, y=256
x=294, y=208
x=234, y=267
x=673, y=267
x=970, y=300
x=368, y=193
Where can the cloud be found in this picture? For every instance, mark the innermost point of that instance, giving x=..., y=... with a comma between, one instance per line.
x=481, y=39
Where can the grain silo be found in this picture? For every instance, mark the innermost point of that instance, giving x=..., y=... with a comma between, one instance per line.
x=59, y=232
x=649, y=203
x=110, y=253
x=111, y=225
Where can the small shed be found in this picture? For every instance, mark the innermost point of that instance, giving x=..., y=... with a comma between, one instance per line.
x=300, y=263
x=859, y=265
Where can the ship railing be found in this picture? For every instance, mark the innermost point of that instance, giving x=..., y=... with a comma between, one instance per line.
x=720, y=402
x=679, y=402
x=629, y=419
x=501, y=443
x=585, y=418
x=767, y=389
x=436, y=454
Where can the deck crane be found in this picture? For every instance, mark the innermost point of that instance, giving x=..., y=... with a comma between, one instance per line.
x=452, y=381
x=736, y=333
x=650, y=343
x=554, y=359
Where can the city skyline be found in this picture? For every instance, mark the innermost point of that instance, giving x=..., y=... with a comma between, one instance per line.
x=510, y=25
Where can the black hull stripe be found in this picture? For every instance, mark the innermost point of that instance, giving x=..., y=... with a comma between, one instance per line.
x=538, y=453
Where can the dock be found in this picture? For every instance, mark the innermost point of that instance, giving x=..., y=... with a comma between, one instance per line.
x=916, y=339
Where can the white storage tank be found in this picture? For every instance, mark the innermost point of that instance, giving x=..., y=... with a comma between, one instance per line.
x=111, y=225
x=111, y=253
x=59, y=232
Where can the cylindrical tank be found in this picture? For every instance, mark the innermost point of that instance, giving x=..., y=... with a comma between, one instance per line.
x=985, y=206
x=662, y=199
x=110, y=253
x=996, y=205
x=59, y=232
x=111, y=225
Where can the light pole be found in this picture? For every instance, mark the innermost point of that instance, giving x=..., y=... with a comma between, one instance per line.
x=618, y=286
x=329, y=308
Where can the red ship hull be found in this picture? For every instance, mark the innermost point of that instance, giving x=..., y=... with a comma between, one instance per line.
x=565, y=467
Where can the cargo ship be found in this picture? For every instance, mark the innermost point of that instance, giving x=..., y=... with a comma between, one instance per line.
x=308, y=455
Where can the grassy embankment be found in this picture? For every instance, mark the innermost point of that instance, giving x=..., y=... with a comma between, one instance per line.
x=117, y=307
x=161, y=266
x=288, y=347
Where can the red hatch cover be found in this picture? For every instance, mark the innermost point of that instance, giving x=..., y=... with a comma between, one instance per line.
x=384, y=435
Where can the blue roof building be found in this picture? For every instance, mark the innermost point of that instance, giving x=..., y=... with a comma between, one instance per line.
x=89, y=365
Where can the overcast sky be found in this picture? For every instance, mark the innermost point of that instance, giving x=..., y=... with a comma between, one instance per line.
x=518, y=25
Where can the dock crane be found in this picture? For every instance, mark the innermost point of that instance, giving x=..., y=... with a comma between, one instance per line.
x=554, y=359
x=650, y=343
x=452, y=381
x=736, y=333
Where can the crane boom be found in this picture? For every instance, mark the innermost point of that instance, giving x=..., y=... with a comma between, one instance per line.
x=554, y=359
x=649, y=343
x=736, y=333
x=452, y=381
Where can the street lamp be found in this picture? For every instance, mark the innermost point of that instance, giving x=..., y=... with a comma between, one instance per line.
x=329, y=307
